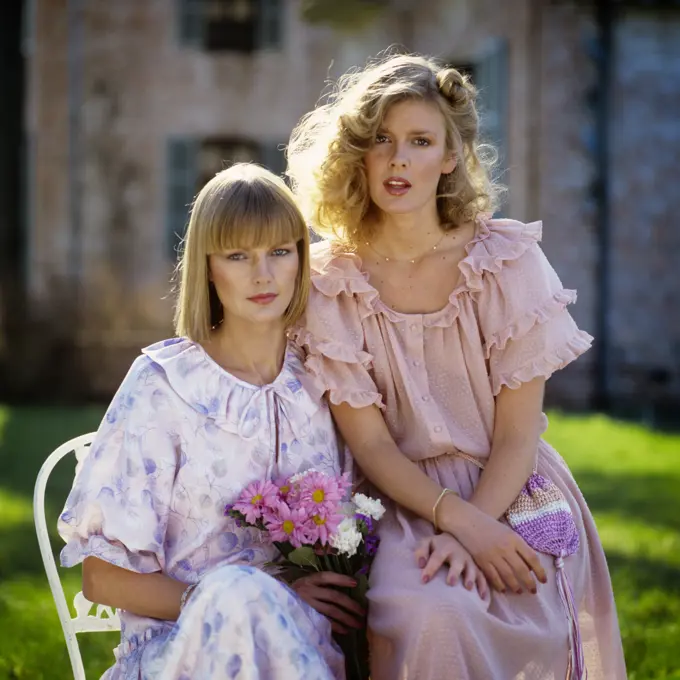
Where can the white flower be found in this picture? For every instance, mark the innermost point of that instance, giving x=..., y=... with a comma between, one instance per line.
x=347, y=538
x=371, y=507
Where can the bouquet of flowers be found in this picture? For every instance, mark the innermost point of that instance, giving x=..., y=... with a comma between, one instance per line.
x=318, y=525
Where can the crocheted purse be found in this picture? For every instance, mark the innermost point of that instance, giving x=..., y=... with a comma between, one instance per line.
x=543, y=518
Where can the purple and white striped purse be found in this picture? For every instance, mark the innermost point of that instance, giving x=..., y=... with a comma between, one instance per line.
x=543, y=518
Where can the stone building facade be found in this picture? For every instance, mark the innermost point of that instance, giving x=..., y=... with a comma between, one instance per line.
x=130, y=105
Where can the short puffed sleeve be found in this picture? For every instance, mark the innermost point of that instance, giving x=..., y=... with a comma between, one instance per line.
x=118, y=507
x=527, y=329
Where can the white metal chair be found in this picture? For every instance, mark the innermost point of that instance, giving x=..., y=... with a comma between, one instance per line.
x=104, y=618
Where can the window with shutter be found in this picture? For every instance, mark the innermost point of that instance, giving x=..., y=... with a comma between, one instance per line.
x=230, y=25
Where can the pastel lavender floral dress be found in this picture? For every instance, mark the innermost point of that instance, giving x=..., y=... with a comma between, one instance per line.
x=180, y=440
x=436, y=376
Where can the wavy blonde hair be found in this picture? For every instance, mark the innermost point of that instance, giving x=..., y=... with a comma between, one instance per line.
x=244, y=206
x=327, y=147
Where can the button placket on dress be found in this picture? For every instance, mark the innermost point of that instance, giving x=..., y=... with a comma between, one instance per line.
x=416, y=347
x=432, y=419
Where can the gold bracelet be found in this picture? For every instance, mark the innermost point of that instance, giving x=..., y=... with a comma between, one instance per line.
x=436, y=505
x=186, y=594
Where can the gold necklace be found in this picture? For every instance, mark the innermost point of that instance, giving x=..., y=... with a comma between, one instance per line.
x=411, y=260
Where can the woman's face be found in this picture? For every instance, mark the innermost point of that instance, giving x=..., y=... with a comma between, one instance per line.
x=256, y=284
x=408, y=157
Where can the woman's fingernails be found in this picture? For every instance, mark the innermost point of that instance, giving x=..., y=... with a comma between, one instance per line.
x=468, y=585
x=422, y=562
x=426, y=579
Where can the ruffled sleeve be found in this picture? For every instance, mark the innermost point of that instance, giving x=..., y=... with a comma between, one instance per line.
x=332, y=336
x=523, y=315
x=118, y=507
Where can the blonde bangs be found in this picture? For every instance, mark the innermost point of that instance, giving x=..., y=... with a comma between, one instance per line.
x=252, y=215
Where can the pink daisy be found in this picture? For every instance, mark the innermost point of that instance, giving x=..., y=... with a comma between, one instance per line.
x=321, y=494
x=256, y=498
x=288, y=525
x=322, y=528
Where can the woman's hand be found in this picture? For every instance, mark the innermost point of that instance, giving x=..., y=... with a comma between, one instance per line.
x=320, y=592
x=443, y=549
x=504, y=557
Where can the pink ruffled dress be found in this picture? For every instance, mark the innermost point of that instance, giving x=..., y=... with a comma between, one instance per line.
x=435, y=376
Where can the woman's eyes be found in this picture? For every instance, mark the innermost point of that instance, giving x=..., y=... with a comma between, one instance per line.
x=418, y=141
x=276, y=252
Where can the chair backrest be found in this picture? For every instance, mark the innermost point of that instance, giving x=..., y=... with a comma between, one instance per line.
x=104, y=618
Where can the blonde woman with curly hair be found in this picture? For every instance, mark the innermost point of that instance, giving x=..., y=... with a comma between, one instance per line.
x=432, y=328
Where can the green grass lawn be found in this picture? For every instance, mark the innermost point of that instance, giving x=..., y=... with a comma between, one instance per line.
x=629, y=475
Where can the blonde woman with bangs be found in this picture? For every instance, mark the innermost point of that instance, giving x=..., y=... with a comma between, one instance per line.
x=197, y=419
x=432, y=328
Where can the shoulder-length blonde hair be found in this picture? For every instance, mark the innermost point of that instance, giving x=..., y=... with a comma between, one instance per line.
x=327, y=148
x=244, y=206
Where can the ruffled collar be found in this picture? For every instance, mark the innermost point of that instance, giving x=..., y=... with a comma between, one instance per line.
x=233, y=404
x=496, y=242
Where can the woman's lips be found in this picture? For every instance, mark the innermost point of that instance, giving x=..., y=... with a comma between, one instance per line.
x=263, y=299
x=396, y=186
